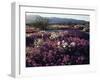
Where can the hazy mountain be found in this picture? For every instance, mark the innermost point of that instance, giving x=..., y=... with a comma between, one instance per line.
x=54, y=20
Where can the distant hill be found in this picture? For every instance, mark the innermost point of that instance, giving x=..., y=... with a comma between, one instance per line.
x=54, y=20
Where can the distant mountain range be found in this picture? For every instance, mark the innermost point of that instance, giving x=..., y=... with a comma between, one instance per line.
x=54, y=20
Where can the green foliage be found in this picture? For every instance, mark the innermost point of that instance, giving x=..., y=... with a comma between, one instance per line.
x=40, y=22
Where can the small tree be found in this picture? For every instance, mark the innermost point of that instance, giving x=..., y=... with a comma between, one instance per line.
x=40, y=22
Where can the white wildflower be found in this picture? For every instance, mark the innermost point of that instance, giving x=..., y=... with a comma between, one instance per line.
x=58, y=43
x=38, y=42
x=63, y=41
x=72, y=44
x=53, y=35
x=64, y=44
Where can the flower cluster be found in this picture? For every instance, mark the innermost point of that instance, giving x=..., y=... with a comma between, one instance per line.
x=56, y=48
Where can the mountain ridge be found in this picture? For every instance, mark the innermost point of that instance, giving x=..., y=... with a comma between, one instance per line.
x=54, y=20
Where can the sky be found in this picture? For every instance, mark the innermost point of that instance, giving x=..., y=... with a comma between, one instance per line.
x=73, y=16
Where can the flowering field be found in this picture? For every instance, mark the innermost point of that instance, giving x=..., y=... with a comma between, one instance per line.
x=53, y=48
x=55, y=40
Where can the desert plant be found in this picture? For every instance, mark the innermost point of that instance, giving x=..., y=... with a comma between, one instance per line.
x=40, y=22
